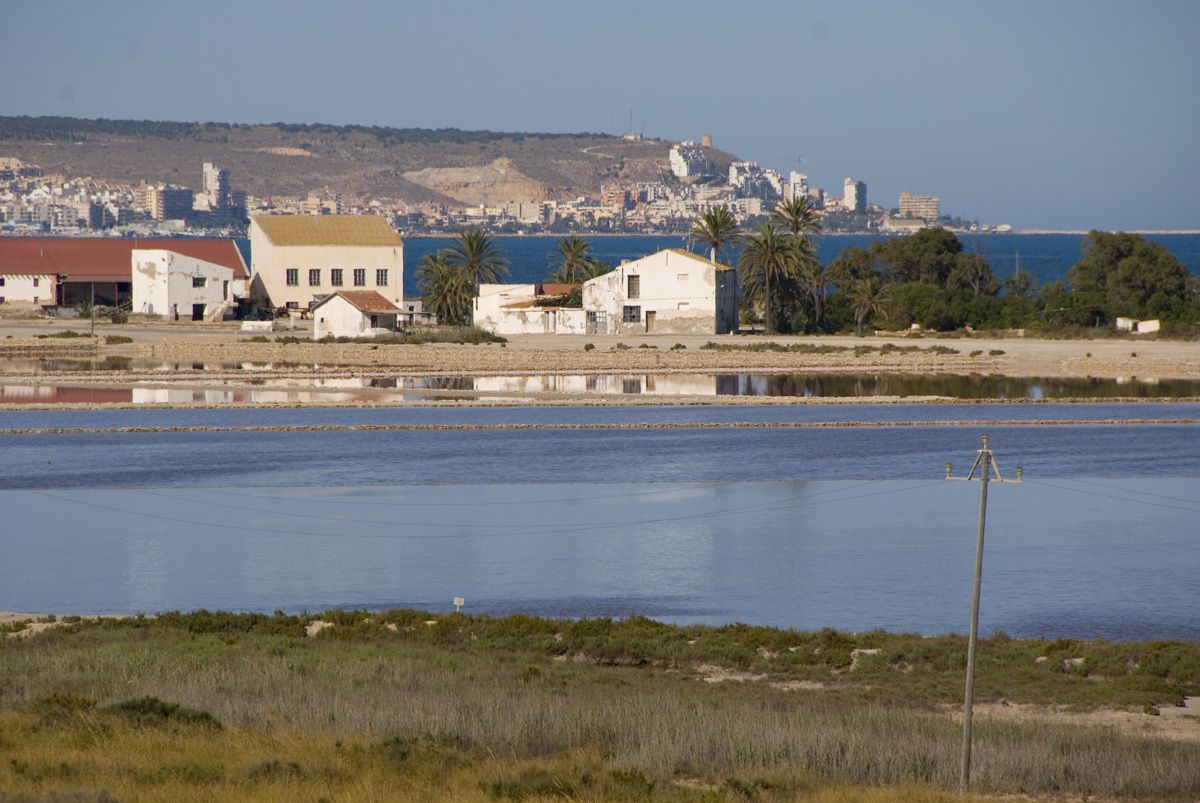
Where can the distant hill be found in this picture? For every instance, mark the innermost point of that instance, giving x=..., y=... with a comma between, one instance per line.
x=414, y=164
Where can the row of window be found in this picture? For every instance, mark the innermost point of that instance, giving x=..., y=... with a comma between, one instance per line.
x=36, y=281
x=336, y=277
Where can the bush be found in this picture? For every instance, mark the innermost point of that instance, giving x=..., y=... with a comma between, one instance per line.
x=589, y=346
x=117, y=340
x=153, y=711
x=678, y=346
x=995, y=352
x=66, y=334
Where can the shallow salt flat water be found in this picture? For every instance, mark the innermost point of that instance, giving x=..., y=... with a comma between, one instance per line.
x=805, y=528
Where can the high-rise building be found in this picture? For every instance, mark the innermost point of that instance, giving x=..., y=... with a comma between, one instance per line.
x=926, y=207
x=171, y=203
x=215, y=187
x=797, y=186
x=854, y=196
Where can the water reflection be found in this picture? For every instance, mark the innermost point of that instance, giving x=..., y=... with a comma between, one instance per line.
x=854, y=555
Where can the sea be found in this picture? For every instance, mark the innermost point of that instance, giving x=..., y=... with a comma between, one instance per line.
x=801, y=527
x=1044, y=256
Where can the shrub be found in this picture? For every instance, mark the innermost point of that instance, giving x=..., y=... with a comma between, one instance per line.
x=995, y=352
x=153, y=711
x=678, y=346
x=66, y=333
x=976, y=353
x=621, y=347
x=589, y=346
x=117, y=340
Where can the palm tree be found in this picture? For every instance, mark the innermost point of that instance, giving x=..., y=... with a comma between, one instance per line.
x=868, y=298
x=446, y=289
x=768, y=254
x=717, y=227
x=797, y=217
x=476, y=255
x=802, y=222
x=574, y=263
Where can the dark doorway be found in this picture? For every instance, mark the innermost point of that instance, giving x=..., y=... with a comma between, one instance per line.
x=197, y=312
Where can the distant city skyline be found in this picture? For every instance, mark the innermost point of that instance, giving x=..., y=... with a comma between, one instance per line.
x=1063, y=115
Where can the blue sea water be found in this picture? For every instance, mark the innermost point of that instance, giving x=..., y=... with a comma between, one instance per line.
x=1045, y=256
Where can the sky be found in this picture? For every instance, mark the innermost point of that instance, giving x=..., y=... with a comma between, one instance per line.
x=1069, y=114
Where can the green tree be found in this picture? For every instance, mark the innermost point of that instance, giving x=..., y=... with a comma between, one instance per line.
x=868, y=298
x=476, y=255
x=925, y=256
x=972, y=273
x=571, y=261
x=767, y=255
x=445, y=289
x=1134, y=276
x=716, y=228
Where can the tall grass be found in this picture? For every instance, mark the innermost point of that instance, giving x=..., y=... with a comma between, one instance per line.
x=505, y=702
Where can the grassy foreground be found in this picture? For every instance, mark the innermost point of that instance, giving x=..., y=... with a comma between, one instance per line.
x=407, y=705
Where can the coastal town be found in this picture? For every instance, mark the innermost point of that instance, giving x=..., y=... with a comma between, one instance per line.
x=692, y=179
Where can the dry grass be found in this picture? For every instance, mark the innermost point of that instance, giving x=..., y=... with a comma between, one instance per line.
x=524, y=708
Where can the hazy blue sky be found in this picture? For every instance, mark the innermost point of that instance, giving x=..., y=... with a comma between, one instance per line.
x=1040, y=114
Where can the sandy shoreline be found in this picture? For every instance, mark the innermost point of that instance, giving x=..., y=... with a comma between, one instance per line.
x=273, y=374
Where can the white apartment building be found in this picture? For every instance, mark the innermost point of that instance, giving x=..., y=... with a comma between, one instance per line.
x=297, y=260
x=687, y=159
x=854, y=196
x=926, y=207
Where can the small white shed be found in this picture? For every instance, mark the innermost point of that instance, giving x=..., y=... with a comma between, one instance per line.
x=354, y=313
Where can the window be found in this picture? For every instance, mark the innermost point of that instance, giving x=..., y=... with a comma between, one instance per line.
x=199, y=281
x=1, y=299
x=1, y=281
x=224, y=289
x=293, y=305
x=314, y=277
x=681, y=277
x=360, y=277
x=381, y=277
x=634, y=287
x=35, y=283
x=293, y=277
x=631, y=315
x=682, y=305
x=335, y=277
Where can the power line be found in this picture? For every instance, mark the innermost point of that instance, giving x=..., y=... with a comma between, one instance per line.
x=1134, y=491
x=1112, y=496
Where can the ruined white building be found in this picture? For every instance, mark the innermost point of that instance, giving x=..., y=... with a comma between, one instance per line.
x=669, y=292
x=527, y=309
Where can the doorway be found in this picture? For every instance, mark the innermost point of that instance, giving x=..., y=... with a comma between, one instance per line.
x=197, y=312
x=649, y=321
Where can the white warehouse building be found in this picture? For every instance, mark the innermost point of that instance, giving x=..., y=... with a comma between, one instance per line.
x=179, y=287
x=297, y=260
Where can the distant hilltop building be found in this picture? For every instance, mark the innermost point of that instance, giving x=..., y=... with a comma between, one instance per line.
x=706, y=141
x=215, y=190
x=688, y=160
x=926, y=207
x=854, y=196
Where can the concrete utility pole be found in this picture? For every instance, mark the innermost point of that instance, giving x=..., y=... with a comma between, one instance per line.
x=985, y=462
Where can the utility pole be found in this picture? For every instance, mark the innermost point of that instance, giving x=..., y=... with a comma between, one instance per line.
x=985, y=462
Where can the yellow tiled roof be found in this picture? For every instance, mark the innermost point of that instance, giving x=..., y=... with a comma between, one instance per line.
x=328, y=230
x=697, y=257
